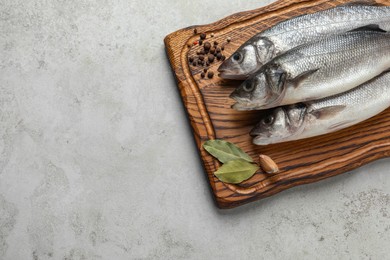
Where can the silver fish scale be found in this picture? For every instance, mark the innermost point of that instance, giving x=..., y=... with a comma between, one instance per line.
x=343, y=62
x=307, y=28
x=376, y=91
x=360, y=104
x=326, y=115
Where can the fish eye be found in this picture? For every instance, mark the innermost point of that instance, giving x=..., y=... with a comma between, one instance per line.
x=268, y=120
x=248, y=87
x=237, y=56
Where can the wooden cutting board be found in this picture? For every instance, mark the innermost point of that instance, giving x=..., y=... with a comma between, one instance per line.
x=210, y=115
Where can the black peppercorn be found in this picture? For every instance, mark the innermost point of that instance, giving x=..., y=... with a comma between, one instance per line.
x=210, y=74
x=211, y=58
x=207, y=46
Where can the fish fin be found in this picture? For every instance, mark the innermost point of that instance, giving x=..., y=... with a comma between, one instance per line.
x=303, y=76
x=276, y=78
x=369, y=27
x=327, y=112
x=339, y=125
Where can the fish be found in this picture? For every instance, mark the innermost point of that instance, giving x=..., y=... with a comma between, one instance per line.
x=314, y=118
x=316, y=70
x=288, y=34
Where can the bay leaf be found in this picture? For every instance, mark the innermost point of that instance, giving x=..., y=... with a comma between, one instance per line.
x=236, y=171
x=225, y=151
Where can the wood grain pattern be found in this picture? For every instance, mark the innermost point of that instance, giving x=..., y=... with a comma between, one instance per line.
x=211, y=117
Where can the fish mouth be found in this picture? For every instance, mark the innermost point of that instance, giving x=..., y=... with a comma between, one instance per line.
x=241, y=104
x=253, y=133
x=235, y=96
x=260, y=140
x=245, y=106
x=223, y=67
x=244, y=103
x=227, y=73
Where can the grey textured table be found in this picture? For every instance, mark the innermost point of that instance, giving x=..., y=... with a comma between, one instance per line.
x=97, y=160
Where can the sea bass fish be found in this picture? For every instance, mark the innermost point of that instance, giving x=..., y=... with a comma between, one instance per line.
x=324, y=116
x=316, y=70
x=300, y=30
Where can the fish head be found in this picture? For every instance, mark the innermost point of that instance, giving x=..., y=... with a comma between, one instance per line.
x=240, y=65
x=251, y=94
x=247, y=59
x=279, y=124
x=261, y=91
